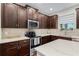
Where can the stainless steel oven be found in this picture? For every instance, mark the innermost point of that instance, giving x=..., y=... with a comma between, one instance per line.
x=35, y=42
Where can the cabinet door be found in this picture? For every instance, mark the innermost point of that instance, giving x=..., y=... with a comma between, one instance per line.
x=48, y=22
x=9, y=49
x=32, y=13
x=9, y=16
x=54, y=37
x=42, y=20
x=22, y=17
x=35, y=14
x=77, y=22
x=0, y=50
x=24, y=48
x=49, y=38
x=45, y=21
x=39, y=19
x=45, y=39
x=54, y=21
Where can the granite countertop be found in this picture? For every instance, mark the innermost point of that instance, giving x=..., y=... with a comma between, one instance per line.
x=71, y=36
x=59, y=48
x=10, y=39
x=6, y=40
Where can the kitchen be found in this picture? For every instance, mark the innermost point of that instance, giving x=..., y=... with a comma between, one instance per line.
x=30, y=28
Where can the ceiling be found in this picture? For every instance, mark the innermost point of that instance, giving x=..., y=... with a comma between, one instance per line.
x=56, y=7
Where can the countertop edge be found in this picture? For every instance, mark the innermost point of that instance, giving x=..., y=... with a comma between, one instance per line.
x=13, y=39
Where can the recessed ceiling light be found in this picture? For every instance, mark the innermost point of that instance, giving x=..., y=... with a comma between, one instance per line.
x=51, y=9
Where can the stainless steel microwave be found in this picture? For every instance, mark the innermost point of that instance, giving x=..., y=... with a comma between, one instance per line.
x=32, y=24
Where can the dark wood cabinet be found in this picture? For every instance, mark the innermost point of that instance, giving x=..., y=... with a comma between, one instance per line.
x=39, y=19
x=0, y=50
x=18, y=48
x=9, y=15
x=48, y=22
x=13, y=16
x=45, y=39
x=42, y=21
x=9, y=49
x=54, y=21
x=77, y=18
x=49, y=38
x=66, y=38
x=24, y=48
x=54, y=37
x=32, y=13
x=16, y=16
x=22, y=17
x=60, y=37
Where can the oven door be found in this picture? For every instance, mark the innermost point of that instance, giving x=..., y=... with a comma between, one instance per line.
x=35, y=42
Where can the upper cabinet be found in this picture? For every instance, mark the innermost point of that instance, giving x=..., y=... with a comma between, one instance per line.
x=16, y=16
x=54, y=21
x=9, y=15
x=77, y=19
x=39, y=19
x=22, y=17
x=32, y=13
x=13, y=16
x=42, y=20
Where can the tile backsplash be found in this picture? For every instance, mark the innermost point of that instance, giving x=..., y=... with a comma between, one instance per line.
x=14, y=32
x=74, y=32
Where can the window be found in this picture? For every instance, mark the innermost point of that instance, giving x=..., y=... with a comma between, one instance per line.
x=67, y=22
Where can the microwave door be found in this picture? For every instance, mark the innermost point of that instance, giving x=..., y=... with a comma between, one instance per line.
x=33, y=24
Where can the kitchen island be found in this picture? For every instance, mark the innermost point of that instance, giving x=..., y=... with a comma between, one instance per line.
x=59, y=48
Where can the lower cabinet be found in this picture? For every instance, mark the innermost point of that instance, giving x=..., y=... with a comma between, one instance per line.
x=66, y=38
x=54, y=37
x=24, y=48
x=18, y=48
x=60, y=37
x=0, y=50
x=45, y=39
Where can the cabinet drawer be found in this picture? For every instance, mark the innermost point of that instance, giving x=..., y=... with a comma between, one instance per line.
x=24, y=42
x=10, y=45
